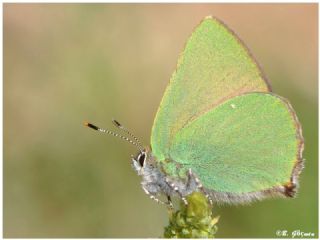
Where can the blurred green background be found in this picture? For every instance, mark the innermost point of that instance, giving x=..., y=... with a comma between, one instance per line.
x=65, y=63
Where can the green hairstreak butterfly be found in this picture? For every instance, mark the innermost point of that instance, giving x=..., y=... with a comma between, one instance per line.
x=219, y=128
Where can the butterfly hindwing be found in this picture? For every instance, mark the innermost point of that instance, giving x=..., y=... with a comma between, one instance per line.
x=247, y=144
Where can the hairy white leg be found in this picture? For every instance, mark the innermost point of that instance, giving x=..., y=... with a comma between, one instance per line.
x=199, y=185
x=153, y=197
x=176, y=189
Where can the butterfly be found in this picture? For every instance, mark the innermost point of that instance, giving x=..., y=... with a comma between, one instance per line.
x=219, y=128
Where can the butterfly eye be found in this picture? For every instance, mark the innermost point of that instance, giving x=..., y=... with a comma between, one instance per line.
x=141, y=159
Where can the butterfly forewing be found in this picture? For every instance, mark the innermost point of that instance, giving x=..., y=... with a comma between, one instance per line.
x=214, y=67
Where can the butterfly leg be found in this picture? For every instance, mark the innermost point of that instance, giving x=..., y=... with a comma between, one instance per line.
x=176, y=189
x=169, y=203
x=191, y=175
x=153, y=197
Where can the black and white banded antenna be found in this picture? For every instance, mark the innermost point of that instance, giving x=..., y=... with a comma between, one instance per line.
x=94, y=127
x=120, y=126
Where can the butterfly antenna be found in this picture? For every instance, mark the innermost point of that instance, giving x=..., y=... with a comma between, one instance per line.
x=120, y=126
x=94, y=127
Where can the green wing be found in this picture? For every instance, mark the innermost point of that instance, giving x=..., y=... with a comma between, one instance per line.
x=249, y=143
x=213, y=67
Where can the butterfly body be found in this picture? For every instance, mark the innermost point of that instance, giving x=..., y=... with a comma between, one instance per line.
x=156, y=182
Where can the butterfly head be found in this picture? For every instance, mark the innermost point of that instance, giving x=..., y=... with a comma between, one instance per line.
x=139, y=161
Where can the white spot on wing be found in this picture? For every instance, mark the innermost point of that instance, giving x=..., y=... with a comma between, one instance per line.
x=233, y=106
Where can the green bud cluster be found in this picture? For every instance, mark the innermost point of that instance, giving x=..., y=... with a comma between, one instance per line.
x=192, y=221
